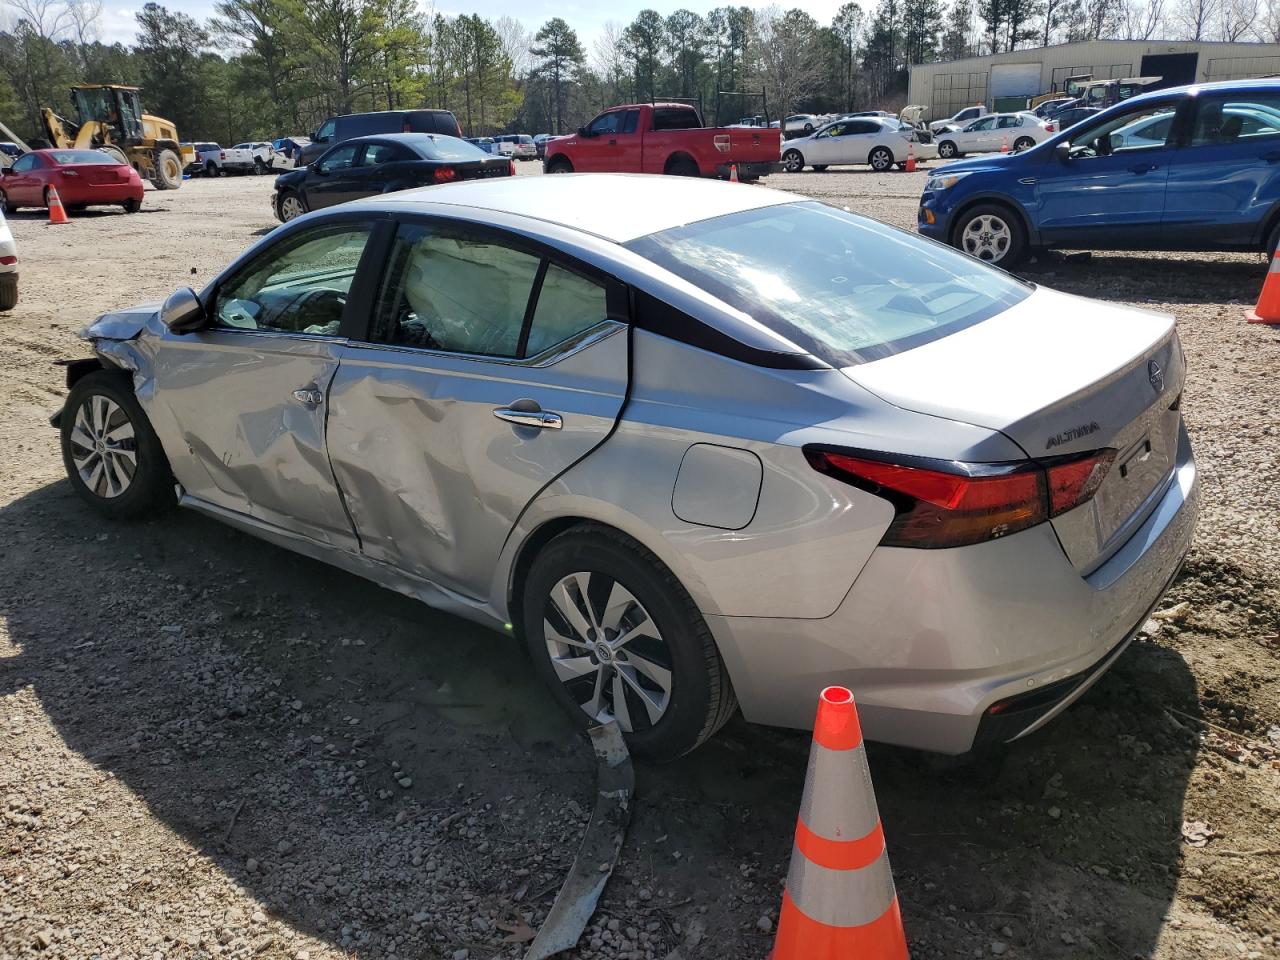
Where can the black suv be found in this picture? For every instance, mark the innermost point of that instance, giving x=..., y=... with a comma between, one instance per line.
x=337, y=129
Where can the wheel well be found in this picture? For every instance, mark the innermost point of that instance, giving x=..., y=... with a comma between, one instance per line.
x=529, y=551
x=678, y=158
x=77, y=370
x=559, y=160
x=1272, y=221
x=995, y=202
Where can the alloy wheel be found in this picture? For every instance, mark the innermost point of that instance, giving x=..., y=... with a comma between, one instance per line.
x=986, y=237
x=793, y=162
x=881, y=160
x=103, y=447
x=946, y=149
x=291, y=208
x=607, y=651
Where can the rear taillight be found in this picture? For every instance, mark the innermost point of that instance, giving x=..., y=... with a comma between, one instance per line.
x=445, y=174
x=8, y=261
x=1051, y=128
x=511, y=168
x=222, y=155
x=951, y=504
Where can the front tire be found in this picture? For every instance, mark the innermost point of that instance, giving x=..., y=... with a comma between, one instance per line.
x=616, y=636
x=881, y=159
x=289, y=206
x=559, y=165
x=112, y=456
x=793, y=161
x=947, y=150
x=992, y=233
x=9, y=207
x=259, y=168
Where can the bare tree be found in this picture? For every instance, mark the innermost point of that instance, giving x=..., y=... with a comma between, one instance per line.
x=516, y=41
x=1194, y=19
x=609, y=60
x=789, y=56
x=1238, y=18
x=49, y=19
x=1142, y=19
x=1267, y=28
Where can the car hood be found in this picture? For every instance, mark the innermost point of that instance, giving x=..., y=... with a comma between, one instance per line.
x=126, y=324
x=291, y=177
x=981, y=164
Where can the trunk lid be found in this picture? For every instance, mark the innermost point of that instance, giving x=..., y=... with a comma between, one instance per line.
x=480, y=169
x=1060, y=375
x=98, y=174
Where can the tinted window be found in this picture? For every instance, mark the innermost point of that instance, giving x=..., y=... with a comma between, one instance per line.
x=451, y=291
x=843, y=287
x=339, y=158
x=605, y=123
x=675, y=118
x=861, y=127
x=567, y=304
x=630, y=122
x=24, y=163
x=299, y=286
x=1009, y=121
x=376, y=153
x=326, y=131
x=64, y=157
x=1243, y=117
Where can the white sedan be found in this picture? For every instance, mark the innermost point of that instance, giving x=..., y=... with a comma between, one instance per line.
x=878, y=141
x=1017, y=131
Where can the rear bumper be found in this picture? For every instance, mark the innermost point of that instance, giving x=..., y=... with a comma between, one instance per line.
x=89, y=194
x=930, y=640
x=749, y=170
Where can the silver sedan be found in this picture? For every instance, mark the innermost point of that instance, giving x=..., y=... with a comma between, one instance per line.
x=697, y=445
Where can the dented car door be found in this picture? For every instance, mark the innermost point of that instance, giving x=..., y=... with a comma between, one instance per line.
x=489, y=369
x=247, y=396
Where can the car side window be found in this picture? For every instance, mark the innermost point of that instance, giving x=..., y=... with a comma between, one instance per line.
x=630, y=121
x=568, y=303
x=1143, y=128
x=325, y=133
x=1242, y=117
x=24, y=164
x=454, y=291
x=297, y=286
x=605, y=123
x=341, y=158
x=1005, y=122
x=376, y=153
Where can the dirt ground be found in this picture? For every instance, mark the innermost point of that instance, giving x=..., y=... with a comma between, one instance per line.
x=210, y=747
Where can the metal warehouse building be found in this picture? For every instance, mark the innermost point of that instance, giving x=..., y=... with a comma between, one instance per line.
x=1004, y=81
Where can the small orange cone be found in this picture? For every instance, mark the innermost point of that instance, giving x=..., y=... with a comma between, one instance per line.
x=911, y=157
x=56, y=213
x=733, y=173
x=1004, y=144
x=839, y=903
x=1268, y=308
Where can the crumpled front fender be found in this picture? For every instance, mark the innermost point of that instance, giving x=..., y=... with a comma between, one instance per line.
x=126, y=324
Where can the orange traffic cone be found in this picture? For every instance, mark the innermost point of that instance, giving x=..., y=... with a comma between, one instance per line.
x=56, y=213
x=1268, y=308
x=911, y=157
x=733, y=173
x=1004, y=145
x=839, y=903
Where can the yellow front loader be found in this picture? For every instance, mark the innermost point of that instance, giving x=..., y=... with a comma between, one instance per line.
x=110, y=119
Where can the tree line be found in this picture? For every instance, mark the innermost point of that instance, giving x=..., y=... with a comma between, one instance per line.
x=260, y=69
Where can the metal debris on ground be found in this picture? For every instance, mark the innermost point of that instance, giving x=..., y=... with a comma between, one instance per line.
x=576, y=901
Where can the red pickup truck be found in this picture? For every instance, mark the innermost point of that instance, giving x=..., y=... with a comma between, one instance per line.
x=664, y=138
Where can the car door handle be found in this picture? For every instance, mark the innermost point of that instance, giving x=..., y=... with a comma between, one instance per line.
x=540, y=419
x=310, y=396
x=1144, y=167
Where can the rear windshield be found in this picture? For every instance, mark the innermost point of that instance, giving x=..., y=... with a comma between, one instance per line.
x=81, y=156
x=675, y=118
x=843, y=287
x=434, y=146
x=207, y=146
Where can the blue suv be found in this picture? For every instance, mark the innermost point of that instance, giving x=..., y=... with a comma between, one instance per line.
x=1189, y=168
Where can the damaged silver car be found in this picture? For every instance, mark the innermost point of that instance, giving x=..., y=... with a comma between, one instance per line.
x=697, y=445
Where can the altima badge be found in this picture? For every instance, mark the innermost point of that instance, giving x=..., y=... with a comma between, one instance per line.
x=1156, y=376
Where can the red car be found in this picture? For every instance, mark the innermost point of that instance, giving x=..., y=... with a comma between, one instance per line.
x=664, y=138
x=82, y=177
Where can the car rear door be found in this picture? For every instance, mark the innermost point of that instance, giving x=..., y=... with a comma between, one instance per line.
x=1102, y=195
x=1226, y=179
x=490, y=367
x=246, y=398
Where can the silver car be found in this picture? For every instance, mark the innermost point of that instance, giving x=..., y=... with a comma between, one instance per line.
x=698, y=446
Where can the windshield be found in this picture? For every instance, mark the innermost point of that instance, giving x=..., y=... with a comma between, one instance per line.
x=68, y=157
x=845, y=288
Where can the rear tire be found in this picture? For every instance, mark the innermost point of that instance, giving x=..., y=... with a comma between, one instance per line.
x=112, y=456
x=682, y=167
x=881, y=159
x=8, y=291
x=168, y=170
x=675, y=690
x=132, y=206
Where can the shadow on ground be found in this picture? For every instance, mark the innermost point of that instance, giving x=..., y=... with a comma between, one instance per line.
x=251, y=697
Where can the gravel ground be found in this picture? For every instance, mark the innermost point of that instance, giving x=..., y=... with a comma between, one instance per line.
x=209, y=747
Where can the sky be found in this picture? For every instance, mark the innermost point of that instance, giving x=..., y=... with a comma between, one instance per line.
x=586, y=17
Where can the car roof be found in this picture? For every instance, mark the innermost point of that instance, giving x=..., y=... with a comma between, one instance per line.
x=613, y=206
x=1194, y=89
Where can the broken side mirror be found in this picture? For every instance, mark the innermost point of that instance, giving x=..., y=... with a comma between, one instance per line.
x=183, y=312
